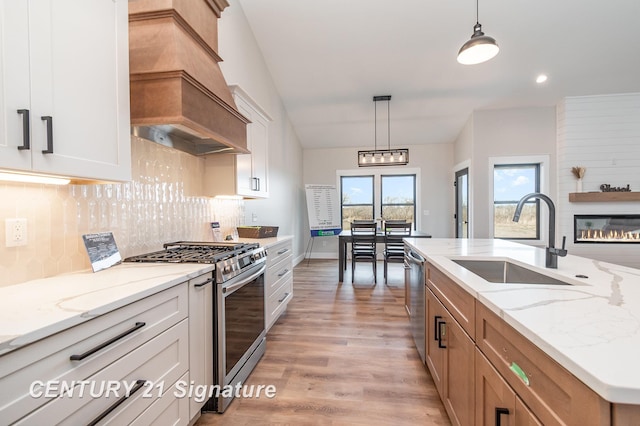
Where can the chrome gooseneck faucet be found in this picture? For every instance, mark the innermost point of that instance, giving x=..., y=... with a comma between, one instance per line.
x=552, y=253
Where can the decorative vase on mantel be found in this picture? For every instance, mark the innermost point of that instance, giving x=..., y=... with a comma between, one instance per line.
x=579, y=185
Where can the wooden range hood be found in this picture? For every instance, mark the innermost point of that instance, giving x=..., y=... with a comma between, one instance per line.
x=179, y=96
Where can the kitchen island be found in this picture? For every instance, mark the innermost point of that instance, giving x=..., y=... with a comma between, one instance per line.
x=591, y=328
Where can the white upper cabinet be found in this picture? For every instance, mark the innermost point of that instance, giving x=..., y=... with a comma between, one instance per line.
x=64, y=89
x=243, y=174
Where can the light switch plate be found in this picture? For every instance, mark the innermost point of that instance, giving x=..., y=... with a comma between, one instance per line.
x=16, y=232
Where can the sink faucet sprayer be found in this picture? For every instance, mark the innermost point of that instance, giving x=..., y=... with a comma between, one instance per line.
x=552, y=253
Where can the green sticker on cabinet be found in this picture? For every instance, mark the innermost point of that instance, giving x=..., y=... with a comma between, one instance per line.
x=516, y=369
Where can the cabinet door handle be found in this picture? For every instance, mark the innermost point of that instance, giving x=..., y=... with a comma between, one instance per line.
x=210, y=280
x=283, y=251
x=441, y=332
x=49, y=121
x=283, y=297
x=499, y=413
x=283, y=273
x=139, y=384
x=255, y=184
x=107, y=343
x=436, y=329
x=26, y=126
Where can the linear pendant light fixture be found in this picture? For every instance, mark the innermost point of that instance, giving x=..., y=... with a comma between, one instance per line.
x=383, y=157
x=479, y=48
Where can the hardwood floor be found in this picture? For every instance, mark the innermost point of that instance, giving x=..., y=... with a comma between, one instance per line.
x=342, y=354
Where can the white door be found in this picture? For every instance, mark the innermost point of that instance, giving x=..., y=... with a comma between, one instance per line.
x=79, y=78
x=14, y=84
x=244, y=172
x=259, y=154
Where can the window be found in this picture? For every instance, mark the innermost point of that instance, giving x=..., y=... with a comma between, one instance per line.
x=510, y=183
x=356, y=193
x=376, y=196
x=398, y=197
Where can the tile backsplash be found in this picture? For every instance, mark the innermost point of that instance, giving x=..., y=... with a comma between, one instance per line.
x=159, y=205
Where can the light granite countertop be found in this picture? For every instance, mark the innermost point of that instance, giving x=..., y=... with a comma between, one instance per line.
x=36, y=309
x=592, y=328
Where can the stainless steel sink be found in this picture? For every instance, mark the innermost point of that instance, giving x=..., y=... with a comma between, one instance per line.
x=502, y=271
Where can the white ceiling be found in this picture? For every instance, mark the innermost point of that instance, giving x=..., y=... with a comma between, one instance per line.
x=329, y=58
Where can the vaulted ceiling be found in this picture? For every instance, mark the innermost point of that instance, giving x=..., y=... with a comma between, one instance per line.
x=329, y=58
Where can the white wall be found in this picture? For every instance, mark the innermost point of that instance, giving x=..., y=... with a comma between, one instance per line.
x=517, y=132
x=463, y=146
x=601, y=133
x=436, y=186
x=244, y=65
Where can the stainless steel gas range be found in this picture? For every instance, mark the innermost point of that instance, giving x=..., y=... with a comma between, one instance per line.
x=239, y=329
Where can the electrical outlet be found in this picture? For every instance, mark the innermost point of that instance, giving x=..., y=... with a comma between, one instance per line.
x=16, y=232
x=254, y=217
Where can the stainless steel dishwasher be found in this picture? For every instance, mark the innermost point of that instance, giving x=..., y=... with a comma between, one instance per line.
x=414, y=277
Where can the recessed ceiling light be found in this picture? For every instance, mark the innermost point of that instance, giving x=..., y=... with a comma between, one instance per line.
x=541, y=78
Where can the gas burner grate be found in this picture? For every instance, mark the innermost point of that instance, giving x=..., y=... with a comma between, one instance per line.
x=194, y=252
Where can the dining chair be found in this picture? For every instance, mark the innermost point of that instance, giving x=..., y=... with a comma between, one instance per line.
x=363, y=245
x=394, y=232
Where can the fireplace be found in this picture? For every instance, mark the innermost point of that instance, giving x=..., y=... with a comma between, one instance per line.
x=614, y=228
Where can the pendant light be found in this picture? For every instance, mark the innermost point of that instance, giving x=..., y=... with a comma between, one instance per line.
x=479, y=48
x=383, y=157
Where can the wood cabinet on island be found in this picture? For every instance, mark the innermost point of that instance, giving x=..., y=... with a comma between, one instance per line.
x=541, y=353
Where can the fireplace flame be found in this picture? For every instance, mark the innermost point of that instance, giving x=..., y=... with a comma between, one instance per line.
x=611, y=235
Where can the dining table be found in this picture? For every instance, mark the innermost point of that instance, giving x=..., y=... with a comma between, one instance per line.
x=345, y=238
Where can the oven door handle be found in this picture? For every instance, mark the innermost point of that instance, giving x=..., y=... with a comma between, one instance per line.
x=228, y=289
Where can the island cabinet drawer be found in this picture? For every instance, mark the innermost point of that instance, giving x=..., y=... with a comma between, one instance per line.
x=458, y=302
x=81, y=351
x=278, y=252
x=150, y=372
x=552, y=393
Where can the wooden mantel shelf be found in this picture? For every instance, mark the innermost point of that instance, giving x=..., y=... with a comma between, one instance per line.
x=603, y=197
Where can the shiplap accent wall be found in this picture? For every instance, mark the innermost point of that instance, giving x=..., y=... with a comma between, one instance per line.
x=601, y=133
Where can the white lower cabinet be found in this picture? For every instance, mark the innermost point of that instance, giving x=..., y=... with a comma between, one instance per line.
x=145, y=340
x=200, y=336
x=166, y=410
x=156, y=366
x=279, y=280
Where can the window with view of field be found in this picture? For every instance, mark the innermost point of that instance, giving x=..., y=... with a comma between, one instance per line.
x=396, y=201
x=511, y=182
x=356, y=194
x=398, y=197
